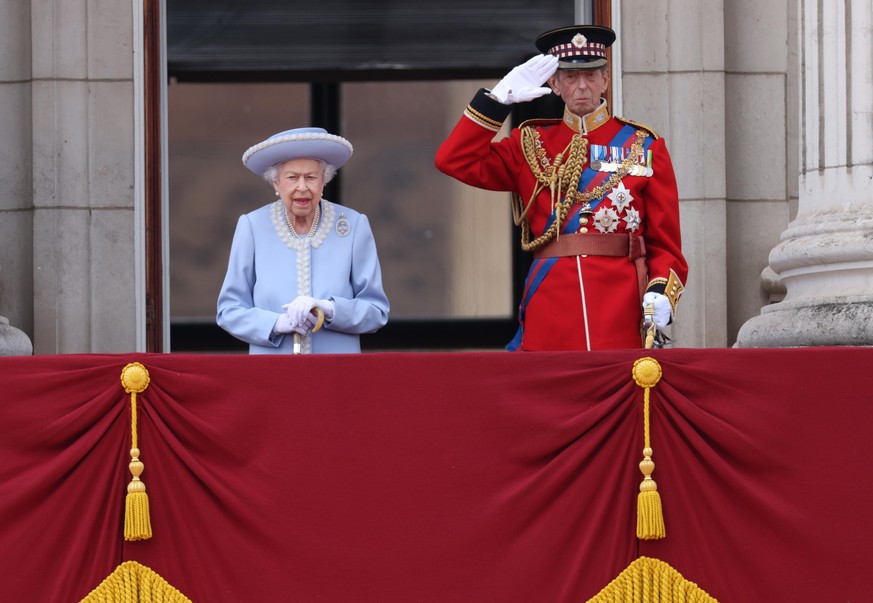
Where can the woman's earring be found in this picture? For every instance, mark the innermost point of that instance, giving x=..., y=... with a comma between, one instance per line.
x=277, y=193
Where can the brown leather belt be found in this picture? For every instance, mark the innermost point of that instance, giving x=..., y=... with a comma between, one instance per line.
x=615, y=245
x=592, y=244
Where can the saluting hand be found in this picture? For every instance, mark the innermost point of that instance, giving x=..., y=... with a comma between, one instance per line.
x=525, y=82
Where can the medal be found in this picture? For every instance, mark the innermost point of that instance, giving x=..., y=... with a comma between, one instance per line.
x=606, y=220
x=632, y=219
x=620, y=197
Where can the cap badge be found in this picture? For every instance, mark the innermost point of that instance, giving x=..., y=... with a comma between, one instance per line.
x=579, y=40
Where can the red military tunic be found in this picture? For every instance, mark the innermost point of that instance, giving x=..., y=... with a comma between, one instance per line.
x=588, y=302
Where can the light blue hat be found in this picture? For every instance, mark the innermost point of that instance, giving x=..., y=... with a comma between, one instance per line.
x=300, y=143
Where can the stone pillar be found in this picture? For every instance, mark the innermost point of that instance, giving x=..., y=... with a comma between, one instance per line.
x=825, y=258
x=16, y=185
x=83, y=162
x=673, y=80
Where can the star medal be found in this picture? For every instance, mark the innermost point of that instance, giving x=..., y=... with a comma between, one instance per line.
x=620, y=197
x=606, y=220
x=632, y=219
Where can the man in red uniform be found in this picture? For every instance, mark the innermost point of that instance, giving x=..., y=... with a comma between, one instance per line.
x=595, y=197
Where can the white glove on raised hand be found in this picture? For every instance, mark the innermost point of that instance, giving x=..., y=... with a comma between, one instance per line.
x=525, y=82
x=663, y=311
x=283, y=324
x=300, y=309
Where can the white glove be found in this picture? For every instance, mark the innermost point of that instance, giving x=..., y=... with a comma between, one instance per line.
x=307, y=325
x=300, y=309
x=283, y=324
x=663, y=311
x=524, y=83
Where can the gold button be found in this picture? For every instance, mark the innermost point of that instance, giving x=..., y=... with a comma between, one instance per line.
x=583, y=230
x=583, y=220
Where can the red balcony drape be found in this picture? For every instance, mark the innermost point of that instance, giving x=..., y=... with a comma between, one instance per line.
x=450, y=477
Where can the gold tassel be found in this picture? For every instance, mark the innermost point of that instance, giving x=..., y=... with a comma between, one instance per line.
x=137, y=523
x=650, y=516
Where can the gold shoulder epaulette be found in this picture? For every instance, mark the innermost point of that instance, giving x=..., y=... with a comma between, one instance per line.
x=638, y=125
x=543, y=121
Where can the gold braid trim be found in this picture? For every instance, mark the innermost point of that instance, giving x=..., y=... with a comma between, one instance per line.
x=562, y=177
x=649, y=580
x=132, y=581
x=673, y=290
x=482, y=119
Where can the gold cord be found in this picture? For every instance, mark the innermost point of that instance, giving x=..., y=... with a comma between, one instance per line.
x=137, y=521
x=650, y=514
x=562, y=177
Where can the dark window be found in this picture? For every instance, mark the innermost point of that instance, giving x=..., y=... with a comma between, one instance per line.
x=275, y=38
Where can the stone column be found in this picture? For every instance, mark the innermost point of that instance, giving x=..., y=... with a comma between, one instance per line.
x=825, y=258
x=16, y=185
x=673, y=80
x=84, y=178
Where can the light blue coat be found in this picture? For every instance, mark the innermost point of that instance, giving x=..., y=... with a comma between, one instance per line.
x=268, y=268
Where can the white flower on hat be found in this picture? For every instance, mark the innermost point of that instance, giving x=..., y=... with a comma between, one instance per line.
x=579, y=40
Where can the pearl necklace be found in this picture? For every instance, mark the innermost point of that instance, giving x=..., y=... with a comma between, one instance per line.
x=312, y=230
x=303, y=245
x=301, y=242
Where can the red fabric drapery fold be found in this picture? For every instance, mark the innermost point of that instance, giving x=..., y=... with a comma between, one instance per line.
x=470, y=477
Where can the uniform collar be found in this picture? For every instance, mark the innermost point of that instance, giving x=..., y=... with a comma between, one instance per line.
x=589, y=122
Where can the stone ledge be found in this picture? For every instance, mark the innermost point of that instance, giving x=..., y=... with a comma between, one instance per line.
x=848, y=322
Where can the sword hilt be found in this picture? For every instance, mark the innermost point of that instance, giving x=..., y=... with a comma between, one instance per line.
x=649, y=325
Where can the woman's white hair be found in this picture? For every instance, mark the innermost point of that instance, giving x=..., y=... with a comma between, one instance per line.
x=272, y=173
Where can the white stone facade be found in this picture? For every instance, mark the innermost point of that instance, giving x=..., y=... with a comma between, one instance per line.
x=734, y=87
x=67, y=174
x=825, y=257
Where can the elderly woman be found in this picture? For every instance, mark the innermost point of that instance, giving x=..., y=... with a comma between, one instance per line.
x=302, y=256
